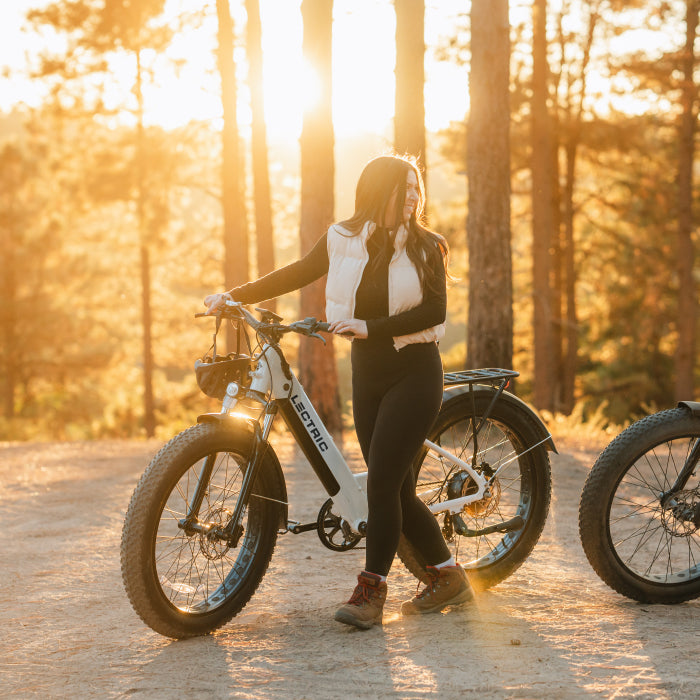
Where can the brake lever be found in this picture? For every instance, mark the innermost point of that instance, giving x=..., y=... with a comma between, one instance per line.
x=320, y=337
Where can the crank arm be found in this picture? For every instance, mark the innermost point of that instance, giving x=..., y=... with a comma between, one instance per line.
x=297, y=528
x=511, y=525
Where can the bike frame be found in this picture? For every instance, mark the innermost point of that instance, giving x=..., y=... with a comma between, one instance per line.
x=275, y=388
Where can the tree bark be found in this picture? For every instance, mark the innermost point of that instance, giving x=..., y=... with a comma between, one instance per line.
x=542, y=220
x=236, y=265
x=572, y=138
x=685, y=352
x=490, y=323
x=261, y=175
x=409, y=112
x=317, y=367
x=9, y=350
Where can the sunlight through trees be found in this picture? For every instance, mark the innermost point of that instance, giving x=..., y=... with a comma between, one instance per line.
x=154, y=152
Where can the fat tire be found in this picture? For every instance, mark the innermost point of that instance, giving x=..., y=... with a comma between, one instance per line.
x=517, y=425
x=616, y=460
x=138, y=544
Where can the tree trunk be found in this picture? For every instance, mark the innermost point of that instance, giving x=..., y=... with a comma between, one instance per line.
x=317, y=368
x=571, y=334
x=261, y=175
x=149, y=415
x=236, y=268
x=685, y=352
x=572, y=137
x=559, y=279
x=542, y=220
x=409, y=112
x=9, y=350
x=490, y=323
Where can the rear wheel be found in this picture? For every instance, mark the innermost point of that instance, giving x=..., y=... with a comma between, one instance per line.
x=521, y=488
x=185, y=581
x=643, y=545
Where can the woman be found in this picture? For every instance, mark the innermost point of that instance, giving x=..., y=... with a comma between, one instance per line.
x=385, y=290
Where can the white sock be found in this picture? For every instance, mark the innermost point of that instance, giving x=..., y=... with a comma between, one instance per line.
x=383, y=578
x=449, y=562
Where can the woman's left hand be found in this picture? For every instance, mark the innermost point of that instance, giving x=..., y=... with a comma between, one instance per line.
x=349, y=328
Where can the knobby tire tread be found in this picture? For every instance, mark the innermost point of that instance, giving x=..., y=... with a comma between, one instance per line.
x=629, y=446
x=141, y=592
x=520, y=425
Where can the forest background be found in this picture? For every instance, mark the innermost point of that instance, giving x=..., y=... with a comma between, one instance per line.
x=155, y=151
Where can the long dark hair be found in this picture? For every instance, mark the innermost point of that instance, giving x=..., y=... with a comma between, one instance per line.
x=379, y=179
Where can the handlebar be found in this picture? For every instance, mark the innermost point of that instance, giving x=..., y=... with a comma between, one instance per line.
x=270, y=323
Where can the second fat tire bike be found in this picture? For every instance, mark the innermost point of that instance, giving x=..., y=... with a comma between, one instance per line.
x=204, y=518
x=639, y=515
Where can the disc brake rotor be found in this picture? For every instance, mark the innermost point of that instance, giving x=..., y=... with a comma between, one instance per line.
x=210, y=545
x=678, y=520
x=486, y=505
x=462, y=484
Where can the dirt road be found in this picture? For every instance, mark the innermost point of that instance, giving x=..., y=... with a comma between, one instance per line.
x=552, y=630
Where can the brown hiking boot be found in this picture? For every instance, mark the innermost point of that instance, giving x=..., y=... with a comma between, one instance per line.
x=364, y=609
x=446, y=586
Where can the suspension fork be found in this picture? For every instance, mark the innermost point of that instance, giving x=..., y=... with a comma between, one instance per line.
x=233, y=530
x=198, y=497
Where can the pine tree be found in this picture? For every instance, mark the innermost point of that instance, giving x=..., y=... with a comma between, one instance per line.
x=317, y=367
x=236, y=258
x=490, y=324
x=543, y=222
x=95, y=29
x=687, y=314
x=261, y=176
x=409, y=113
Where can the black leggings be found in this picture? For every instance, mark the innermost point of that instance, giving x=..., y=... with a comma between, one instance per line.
x=396, y=398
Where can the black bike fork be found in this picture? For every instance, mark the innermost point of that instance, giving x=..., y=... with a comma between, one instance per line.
x=233, y=530
x=685, y=473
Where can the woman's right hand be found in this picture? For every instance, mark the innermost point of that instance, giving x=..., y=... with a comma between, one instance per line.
x=214, y=301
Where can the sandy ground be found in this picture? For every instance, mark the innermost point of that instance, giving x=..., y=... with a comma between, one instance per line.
x=552, y=630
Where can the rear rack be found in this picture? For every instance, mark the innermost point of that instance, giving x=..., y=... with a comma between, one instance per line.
x=498, y=379
x=479, y=376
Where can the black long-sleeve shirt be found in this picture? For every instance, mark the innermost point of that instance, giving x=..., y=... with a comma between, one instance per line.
x=372, y=297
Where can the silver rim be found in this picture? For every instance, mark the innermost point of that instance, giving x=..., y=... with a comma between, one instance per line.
x=657, y=544
x=197, y=574
x=511, y=493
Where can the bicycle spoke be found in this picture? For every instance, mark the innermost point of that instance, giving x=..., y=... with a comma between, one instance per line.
x=650, y=539
x=192, y=568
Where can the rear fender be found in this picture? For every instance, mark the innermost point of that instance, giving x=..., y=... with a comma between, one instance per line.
x=459, y=393
x=274, y=476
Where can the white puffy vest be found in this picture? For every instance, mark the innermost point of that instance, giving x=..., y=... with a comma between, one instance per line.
x=347, y=257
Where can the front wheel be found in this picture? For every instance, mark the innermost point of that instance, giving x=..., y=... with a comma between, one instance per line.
x=643, y=545
x=507, y=446
x=186, y=581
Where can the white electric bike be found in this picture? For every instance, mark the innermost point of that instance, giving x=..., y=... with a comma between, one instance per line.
x=205, y=516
